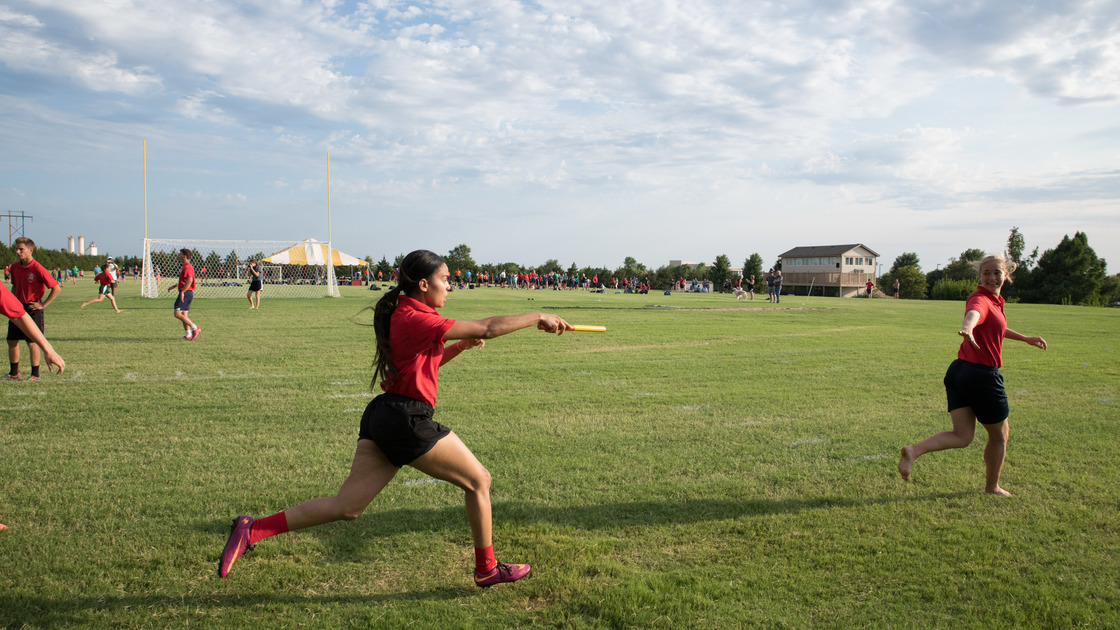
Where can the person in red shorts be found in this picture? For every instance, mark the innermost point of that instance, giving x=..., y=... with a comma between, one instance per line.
x=11, y=308
x=973, y=384
x=30, y=280
x=105, y=290
x=397, y=428
x=185, y=286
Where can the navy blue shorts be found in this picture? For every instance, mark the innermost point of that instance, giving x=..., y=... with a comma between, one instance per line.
x=184, y=304
x=977, y=386
x=401, y=427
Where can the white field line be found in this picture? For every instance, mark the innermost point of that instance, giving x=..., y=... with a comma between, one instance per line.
x=867, y=458
x=133, y=377
x=350, y=396
x=808, y=441
x=427, y=481
x=19, y=408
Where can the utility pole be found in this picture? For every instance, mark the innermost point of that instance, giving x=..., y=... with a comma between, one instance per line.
x=15, y=230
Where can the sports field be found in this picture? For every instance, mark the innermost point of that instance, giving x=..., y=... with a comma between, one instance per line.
x=705, y=463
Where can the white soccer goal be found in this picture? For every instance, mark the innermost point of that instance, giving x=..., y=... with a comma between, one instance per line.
x=296, y=268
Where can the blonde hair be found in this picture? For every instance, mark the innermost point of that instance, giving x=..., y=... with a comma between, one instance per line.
x=1002, y=260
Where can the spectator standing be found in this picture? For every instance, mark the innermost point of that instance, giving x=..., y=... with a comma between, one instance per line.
x=30, y=280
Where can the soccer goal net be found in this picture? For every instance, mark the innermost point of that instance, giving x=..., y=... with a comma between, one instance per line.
x=288, y=268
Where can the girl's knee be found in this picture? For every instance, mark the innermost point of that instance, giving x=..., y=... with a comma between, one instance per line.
x=479, y=480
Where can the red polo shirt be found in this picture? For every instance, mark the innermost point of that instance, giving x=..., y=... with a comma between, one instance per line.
x=31, y=281
x=10, y=306
x=989, y=331
x=186, y=277
x=416, y=333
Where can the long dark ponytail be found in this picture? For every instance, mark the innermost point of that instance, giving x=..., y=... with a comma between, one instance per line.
x=416, y=266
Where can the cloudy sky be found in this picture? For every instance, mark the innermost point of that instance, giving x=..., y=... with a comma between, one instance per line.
x=580, y=131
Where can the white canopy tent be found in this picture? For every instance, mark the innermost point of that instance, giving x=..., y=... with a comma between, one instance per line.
x=312, y=252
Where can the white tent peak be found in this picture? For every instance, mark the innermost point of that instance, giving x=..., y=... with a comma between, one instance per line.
x=312, y=252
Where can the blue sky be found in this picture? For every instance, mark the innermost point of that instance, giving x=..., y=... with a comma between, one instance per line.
x=581, y=131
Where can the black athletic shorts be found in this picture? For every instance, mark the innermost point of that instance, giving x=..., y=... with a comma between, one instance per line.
x=401, y=427
x=15, y=333
x=977, y=386
x=255, y=285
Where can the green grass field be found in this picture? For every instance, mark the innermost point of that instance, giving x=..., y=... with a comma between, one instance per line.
x=705, y=463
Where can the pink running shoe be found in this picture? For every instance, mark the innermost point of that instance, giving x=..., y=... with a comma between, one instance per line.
x=194, y=333
x=502, y=572
x=237, y=544
x=12, y=377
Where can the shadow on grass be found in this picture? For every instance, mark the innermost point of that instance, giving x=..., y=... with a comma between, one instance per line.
x=348, y=540
x=62, y=612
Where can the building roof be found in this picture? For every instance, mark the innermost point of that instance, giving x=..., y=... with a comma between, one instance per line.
x=825, y=250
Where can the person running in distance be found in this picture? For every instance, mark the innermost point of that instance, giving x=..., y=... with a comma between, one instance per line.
x=397, y=428
x=185, y=286
x=105, y=290
x=30, y=280
x=973, y=384
x=255, y=282
x=11, y=308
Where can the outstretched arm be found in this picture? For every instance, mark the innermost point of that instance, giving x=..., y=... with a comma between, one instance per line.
x=27, y=325
x=971, y=318
x=504, y=324
x=1034, y=341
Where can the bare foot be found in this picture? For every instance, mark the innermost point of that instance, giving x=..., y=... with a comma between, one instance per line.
x=3, y=527
x=82, y=307
x=905, y=461
x=999, y=492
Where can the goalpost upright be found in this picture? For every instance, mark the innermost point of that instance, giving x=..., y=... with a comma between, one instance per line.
x=291, y=268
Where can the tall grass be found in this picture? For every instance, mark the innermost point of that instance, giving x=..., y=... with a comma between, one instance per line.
x=704, y=463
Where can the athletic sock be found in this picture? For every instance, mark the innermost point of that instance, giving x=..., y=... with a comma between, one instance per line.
x=268, y=526
x=34, y=370
x=484, y=561
x=15, y=369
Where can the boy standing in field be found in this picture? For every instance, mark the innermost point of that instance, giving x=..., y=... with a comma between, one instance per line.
x=11, y=308
x=29, y=281
x=185, y=287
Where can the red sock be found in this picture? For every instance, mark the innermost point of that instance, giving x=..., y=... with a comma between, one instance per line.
x=484, y=561
x=268, y=526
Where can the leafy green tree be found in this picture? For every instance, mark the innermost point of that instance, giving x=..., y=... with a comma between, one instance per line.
x=229, y=266
x=753, y=267
x=460, y=258
x=550, y=266
x=906, y=259
x=949, y=289
x=1071, y=272
x=1110, y=291
x=911, y=283
x=972, y=255
x=719, y=272
x=1015, y=246
x=961, y=268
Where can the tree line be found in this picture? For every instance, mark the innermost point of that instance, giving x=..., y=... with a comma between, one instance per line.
x=1069, y=273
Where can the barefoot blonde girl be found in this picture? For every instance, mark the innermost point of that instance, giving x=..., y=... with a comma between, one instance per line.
x=973, y=383
x=397, y=427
